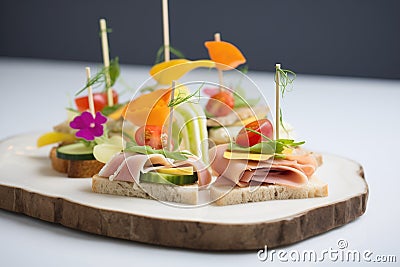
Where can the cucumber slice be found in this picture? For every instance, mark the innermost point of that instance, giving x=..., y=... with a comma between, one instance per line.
x=202, y=124
x=192, y=128
x=77, y=151
x=196, y=125
x=163, y=178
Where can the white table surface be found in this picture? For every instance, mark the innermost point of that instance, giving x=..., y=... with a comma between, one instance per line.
x=352, y=117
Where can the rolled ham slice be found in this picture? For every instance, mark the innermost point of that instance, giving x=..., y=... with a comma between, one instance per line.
x=294, y=170
x=127, y=167
x=111, y=166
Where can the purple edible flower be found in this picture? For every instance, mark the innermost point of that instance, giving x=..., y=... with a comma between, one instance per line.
x=88, y=127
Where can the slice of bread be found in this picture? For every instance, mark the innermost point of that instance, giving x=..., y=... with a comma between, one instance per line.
x=225, y=195
x=60, y=165
x=75, y=168
x=187, y=194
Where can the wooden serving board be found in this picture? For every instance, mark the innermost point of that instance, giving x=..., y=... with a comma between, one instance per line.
x=28, y=185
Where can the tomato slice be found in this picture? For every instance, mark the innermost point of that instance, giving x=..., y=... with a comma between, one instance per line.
x=220, y=104
x=99, y=99
x=151, y=135
x=247, y=138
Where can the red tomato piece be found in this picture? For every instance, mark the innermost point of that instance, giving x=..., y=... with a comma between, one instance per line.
x=220, y=104
x=247, y=138
x=99, y=99
x=150, y=135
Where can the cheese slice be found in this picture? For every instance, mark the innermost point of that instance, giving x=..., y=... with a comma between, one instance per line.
x=248, y=156
x=177, y=171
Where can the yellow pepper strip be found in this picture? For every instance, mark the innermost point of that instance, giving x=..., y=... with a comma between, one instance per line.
x=228, y=55
x=168, y=71
x=55, y=137
x=247, y=156
x=177, y=171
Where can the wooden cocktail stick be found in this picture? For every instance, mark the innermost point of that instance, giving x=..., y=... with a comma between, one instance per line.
x=90, y=93
x=171, y=115
x=277, y=100
x=166, y=30
x=106, y=60
x=217, y=38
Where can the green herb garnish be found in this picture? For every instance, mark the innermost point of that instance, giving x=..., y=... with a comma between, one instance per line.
x=275, y=147
x=160, y=54
x=114, y=71
x=287, y=78
x=267, y=147
x=107, y=110
x=270, y=146
x=100, y=78
x=146, y=150
x=73, y=110
x=182, y=97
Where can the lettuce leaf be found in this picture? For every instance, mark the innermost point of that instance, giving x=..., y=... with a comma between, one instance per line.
x=266, y=147
x=147, y=150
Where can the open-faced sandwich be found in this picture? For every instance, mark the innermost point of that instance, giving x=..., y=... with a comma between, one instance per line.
x=76, y=137
x=93, y=120
x=258, y=165
x=257, y=168
x=153, y=174
x=153, y=164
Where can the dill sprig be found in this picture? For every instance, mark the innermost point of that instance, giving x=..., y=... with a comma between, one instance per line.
x=100, y=78
x=281, y=121
x=160, y=54
x=182, y=97
x=287, y=78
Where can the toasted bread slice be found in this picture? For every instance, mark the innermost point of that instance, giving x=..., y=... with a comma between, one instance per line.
x=185, y=194
x=60, y=165
x=225, y=195
x=75, y=168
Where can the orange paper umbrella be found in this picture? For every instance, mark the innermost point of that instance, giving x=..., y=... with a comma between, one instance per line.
x=149, y=109
x=224, y=53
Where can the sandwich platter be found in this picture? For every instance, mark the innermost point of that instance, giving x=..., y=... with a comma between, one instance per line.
x=29, y=185
x=174, y=143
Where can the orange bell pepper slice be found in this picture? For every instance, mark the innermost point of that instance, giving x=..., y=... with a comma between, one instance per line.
x=226, y=54
x=149, y=109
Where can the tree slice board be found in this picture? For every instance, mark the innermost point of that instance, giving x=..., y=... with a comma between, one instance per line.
x=28, y=185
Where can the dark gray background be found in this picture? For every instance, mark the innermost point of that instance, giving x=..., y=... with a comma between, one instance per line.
x=334, y=37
